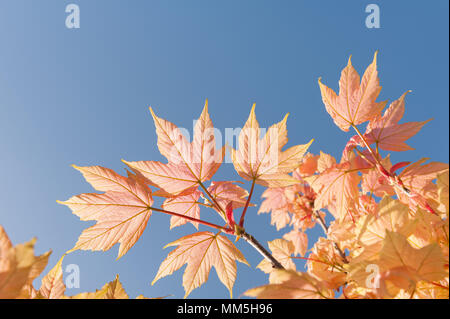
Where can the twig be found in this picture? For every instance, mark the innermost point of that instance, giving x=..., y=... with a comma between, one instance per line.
x=325, y=229
x=255, y=244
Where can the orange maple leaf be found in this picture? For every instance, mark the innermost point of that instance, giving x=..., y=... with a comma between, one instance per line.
x=261, y=160
x=189, y=164
x=387, y=133
x=337, y=189
x=201, y=251
x=291, y=285
x=122, y=212
x=355, y=103
x=19, y=266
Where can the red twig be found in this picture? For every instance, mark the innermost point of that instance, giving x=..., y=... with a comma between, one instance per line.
x=241, y=221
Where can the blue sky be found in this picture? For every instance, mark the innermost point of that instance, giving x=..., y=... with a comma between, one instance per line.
x=81, y=97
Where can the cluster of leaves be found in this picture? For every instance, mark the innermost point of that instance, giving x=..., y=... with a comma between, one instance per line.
x=391, y=225
x=389, y=236
x=123, y=210
x=19, y=267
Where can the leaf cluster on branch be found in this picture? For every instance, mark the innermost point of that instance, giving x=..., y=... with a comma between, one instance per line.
x=388, y=237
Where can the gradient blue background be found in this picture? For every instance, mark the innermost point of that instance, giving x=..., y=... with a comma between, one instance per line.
x=82, y=96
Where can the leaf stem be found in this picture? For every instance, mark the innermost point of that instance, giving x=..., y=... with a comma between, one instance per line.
x=376, y=159
x=192, y=219
x=439, y=285
x=241, y=221
x=213, y=199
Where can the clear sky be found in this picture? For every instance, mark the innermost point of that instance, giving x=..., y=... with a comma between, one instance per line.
x=81, y=96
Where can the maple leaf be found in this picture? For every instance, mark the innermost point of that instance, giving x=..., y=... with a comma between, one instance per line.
x=19, y=267
x=325, y=161
x=342, y=232
x=122, y=212
x=189, y=164
x=280, y=219
x=261, y=160
x=387, y=133
x=399, y=265
x=308, y=165
x=392, y=216
x=426, y=263
x=5, y=247
x=337, y=187
x=111, y=290
x=282, y=250
x=300, y=241
x=325, y=264
x=417, y=176
x=277, y=203
x=185, y=205
x=355, y=103
x=52, y=284
x=225, y=192
x=53, y=287
x=330, y=276
x=274, y=199
x=291, y=285
x=201, y=251
x=429, y=228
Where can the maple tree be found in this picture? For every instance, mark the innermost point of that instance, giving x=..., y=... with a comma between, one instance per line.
x=388, y=237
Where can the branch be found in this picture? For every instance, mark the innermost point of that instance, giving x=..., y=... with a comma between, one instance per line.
x=255, y=244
